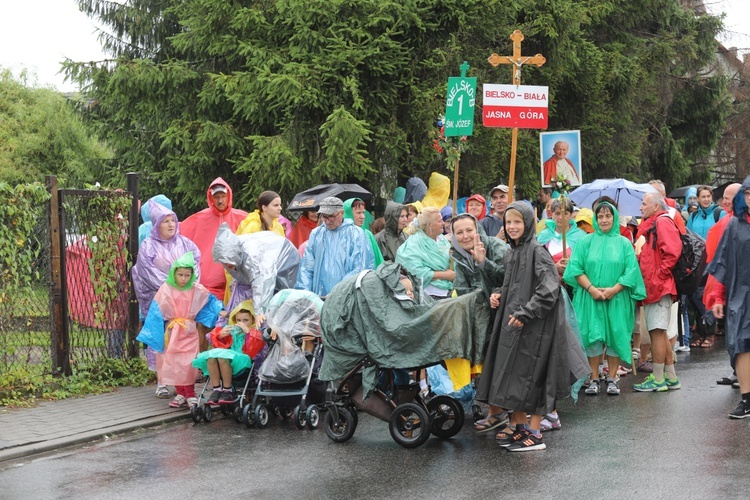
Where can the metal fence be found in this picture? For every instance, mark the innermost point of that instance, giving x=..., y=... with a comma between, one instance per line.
x=25, y=318
x=95, y=229
x=65, y=296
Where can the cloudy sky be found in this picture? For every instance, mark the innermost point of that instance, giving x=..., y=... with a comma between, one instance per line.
x=38, y=34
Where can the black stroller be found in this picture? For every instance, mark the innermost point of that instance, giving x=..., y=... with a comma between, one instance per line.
x=375, y=334
x=411, y=419
x=289, y=386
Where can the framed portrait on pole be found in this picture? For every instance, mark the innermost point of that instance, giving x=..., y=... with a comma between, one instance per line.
x=560, y=154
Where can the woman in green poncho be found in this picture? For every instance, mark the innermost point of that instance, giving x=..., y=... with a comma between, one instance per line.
x=607, y=281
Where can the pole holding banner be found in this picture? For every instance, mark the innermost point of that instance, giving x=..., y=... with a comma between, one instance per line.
x=458, y=122
x=516, y=61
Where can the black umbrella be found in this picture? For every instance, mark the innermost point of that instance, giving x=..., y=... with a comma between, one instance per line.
x=719, y=191
x=681, y=192
x=310, y=199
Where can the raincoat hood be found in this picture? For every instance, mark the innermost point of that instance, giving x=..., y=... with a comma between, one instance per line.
x=692, y=192
x=529, y=226
x=390, y=238
x=467, y=257
x=210, y=198
x=398, y=194
x=739, y=205
x=161, y=200
x=348, y=211
x=246, y=305
x=391, y=215
x=480, y=199
x=415, y=190
x=264, y=260
x=615, y=231
x=158, y=214
x=438, y=192
x=185, y=261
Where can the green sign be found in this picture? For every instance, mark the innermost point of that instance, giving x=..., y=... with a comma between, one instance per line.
x=459, y=104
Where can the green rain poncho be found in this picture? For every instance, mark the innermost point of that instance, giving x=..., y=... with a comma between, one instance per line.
x=349, y=214
x=606, y=259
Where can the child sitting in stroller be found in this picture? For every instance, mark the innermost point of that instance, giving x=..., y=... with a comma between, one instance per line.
x=234, y=347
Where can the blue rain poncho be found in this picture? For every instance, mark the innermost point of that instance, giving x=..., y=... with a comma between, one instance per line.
x=331, y=256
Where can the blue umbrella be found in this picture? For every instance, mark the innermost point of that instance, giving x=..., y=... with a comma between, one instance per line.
x=627, y=194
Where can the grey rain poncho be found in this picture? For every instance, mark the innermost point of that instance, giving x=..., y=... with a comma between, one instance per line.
x=370, y=314
x=265, y=262
x=729, y=267
x=530, y=368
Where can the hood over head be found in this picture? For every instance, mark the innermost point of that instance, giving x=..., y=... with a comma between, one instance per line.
x=161, y=200
x=158, y=214
x=692, y=192
x=398, y=194
x=392, y=213
x=186, y=260
x=415, y=190
x=615, y=231
x=529, y=224
x=227, y=247
x=246, y=305
x=480, y=199
x=739, y=205
x=438, y=192
x=209, y=197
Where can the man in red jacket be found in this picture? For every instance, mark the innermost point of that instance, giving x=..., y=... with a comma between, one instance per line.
x=657, y=258
x=202, y=227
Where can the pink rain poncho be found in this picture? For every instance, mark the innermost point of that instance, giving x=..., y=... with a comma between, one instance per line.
x=156, y=256
x=170, y=327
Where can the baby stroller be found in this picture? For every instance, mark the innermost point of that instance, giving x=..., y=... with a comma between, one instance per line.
x=411, y=419
x=204, y=411
x=289, y=386
x=374, y=334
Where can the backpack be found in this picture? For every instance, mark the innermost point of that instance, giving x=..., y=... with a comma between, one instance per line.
x=689, y=269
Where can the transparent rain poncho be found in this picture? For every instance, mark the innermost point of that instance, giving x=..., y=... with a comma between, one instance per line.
x=292, y=315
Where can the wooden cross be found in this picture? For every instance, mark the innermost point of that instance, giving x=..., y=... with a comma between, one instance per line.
x=516, y=61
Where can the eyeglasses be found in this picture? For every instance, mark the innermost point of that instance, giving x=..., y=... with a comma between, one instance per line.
x=327, y=217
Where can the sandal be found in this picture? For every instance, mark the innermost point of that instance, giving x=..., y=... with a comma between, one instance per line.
x=696, y=343
x=707, y=342
x=505, y=433
x=726, y=381
x=491, y=422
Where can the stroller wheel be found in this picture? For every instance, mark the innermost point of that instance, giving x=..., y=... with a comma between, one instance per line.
x=226, y=410
x=286, y=413
x=447, y=416
x=238, y=414
x=248, y=416
x=342, y=432
x=195, y=414
x=208, y=413
x=409, y=425
x=312, y=415
x=261, y=416
x=299, y=418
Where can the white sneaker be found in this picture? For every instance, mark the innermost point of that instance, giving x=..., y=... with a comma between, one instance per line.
x=162, y=392
x=681, y=348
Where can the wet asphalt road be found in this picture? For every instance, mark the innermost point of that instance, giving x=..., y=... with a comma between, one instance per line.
x=668, y=445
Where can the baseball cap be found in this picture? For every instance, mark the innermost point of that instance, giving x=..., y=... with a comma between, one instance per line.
x=330, y=205
x=501, y=187
x=218, y=188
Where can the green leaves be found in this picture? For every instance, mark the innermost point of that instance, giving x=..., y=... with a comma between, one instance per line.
x=285, y=94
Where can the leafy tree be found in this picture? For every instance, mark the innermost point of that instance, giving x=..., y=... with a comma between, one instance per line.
x=285, y=94
x=41, y=134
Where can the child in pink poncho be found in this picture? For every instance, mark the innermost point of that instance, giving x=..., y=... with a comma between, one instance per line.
x=170, y=327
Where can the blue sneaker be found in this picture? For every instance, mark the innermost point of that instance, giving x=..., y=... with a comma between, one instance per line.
x=651, y=385
x=672, y=383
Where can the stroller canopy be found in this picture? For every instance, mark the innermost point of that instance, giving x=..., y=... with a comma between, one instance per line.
x=370, y=314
